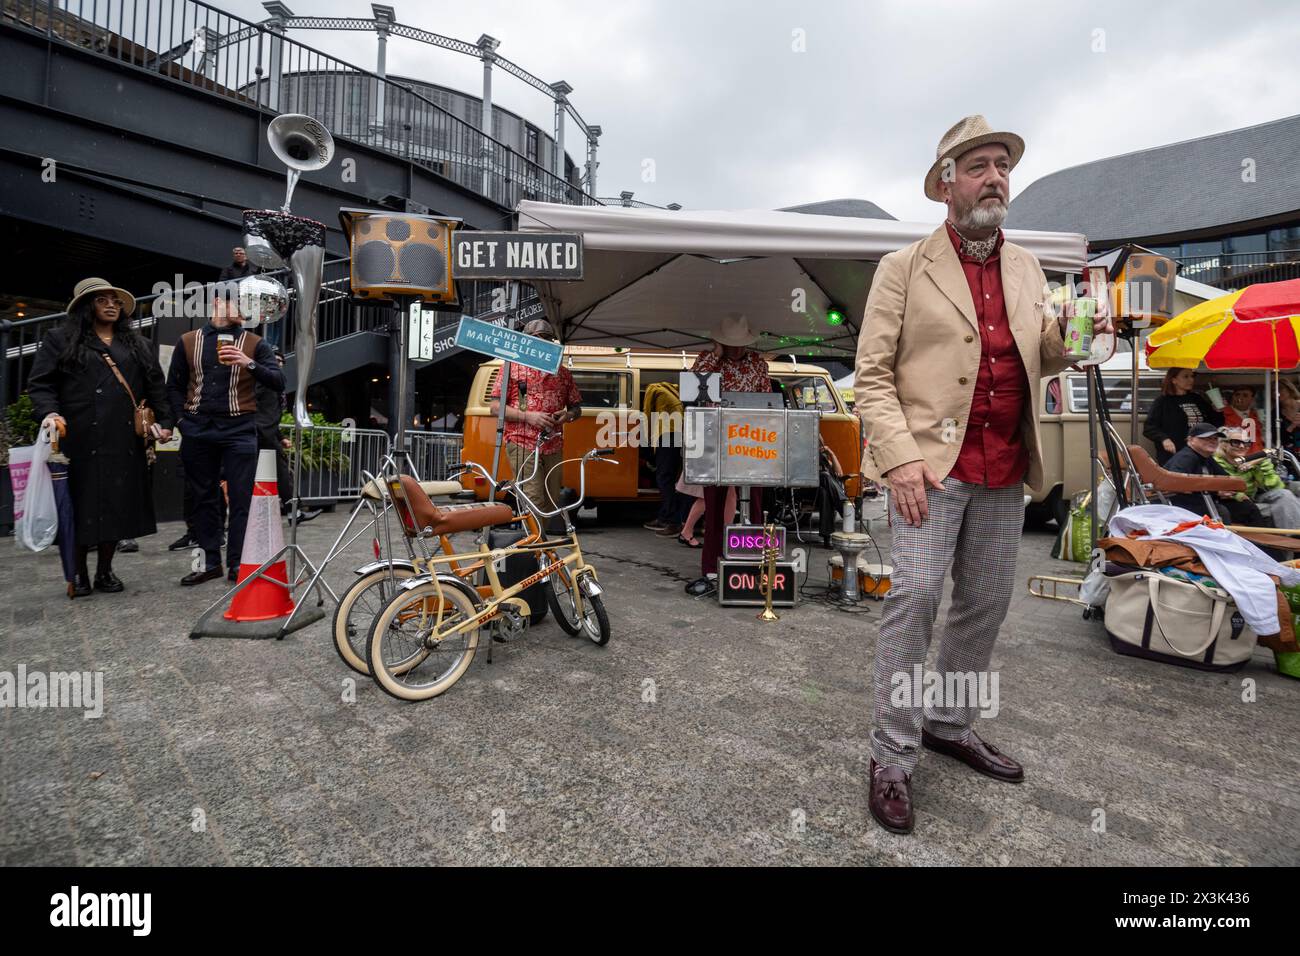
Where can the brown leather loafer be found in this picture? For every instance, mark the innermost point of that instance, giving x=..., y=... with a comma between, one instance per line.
x=978, y=755
x=891, y=798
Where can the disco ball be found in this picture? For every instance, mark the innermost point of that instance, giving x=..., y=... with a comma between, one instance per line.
x=262, y=300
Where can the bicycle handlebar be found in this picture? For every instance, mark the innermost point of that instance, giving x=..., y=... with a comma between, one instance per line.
x=596, y=454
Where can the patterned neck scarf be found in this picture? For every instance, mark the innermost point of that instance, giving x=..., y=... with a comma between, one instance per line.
x=979, y=249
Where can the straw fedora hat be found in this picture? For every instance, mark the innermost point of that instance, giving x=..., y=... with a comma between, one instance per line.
x=967, y=134
x=734, y=331
x=95, y=285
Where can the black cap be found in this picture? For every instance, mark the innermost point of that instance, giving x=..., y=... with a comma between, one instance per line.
x=1204, y=430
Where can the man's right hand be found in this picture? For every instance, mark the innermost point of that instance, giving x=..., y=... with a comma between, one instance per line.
x=907, y=483
x=1168, y=445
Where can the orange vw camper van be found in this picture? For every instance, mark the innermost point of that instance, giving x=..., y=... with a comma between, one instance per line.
x=613, y=380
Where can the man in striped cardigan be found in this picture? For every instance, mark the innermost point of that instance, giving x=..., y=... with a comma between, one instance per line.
x=211, y=386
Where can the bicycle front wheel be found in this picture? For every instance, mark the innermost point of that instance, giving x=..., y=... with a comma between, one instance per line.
x=595, y=622
x=560, y=596
x=357, y=610
x=411, y=652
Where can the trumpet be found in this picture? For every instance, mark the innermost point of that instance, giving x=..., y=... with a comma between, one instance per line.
x=768, y=571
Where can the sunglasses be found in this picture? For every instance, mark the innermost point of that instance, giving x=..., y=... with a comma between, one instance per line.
x=108, y=300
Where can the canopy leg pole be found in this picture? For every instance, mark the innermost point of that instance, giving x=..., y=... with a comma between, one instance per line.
x=1134, y=407
x=1090, y=371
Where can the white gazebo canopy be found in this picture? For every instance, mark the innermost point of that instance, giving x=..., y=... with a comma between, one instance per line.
x=663, y=278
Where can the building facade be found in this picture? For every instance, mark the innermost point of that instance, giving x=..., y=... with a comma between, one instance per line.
x=1226, y=206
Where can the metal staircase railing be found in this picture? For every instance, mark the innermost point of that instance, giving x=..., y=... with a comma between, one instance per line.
x=189, y=42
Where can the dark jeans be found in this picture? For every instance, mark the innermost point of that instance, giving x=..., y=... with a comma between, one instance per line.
x=188, y=501
x=668, y=464
x=715, y=500
x=212, y=449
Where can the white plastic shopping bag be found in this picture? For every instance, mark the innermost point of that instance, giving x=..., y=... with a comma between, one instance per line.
x=20, y=465
x=39, y=523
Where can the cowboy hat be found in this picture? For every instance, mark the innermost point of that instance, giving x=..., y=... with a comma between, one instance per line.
x=734, y=331
x=969, y=133
x=94, y=285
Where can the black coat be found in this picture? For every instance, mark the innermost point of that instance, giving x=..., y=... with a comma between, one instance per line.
x=1166, y=419
x=108, y=475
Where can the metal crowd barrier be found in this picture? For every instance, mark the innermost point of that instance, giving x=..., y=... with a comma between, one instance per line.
x=334, y=459
x=435, y=455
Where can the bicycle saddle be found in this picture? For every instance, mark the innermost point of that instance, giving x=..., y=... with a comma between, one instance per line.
x=448, y=519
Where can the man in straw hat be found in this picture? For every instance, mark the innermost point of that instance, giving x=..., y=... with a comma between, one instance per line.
x=742, y=370
x=957, y=333
x=538, y=400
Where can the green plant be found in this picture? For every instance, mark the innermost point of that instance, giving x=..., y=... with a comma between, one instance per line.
x=322, y=446
x=19, y=426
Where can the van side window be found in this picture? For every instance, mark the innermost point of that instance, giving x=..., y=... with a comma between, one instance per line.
x=1053, y=400
x=807, y=393
x=1119, y=393
x=603, y=389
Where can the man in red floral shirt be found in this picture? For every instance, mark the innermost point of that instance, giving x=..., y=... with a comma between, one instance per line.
x=742, y=370
x=538, y=400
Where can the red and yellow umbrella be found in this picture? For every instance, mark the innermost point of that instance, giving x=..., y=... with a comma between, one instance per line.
x=1256, y=327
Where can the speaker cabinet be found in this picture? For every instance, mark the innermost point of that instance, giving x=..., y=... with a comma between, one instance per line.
x=399, y=255
x=1144, y=290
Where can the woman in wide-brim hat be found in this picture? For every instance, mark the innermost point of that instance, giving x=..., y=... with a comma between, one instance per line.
x=71, y=382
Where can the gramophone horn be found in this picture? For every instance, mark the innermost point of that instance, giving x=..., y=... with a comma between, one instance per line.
x=302, y=144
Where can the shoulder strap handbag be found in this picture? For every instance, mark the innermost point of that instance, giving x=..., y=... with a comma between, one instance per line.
x=144, y=416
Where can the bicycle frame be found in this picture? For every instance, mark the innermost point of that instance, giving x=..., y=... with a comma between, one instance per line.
x=584, y=580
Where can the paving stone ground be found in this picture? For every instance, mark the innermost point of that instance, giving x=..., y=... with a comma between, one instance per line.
x=752, y=751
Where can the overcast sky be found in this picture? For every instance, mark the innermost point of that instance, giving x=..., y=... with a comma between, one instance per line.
x=732, y=116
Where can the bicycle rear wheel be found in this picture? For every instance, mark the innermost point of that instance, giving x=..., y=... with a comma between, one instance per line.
x=416, y=623
x=357, y=610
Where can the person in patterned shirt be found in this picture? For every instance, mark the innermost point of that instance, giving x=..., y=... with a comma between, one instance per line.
x=742, y=370
x=538, y=400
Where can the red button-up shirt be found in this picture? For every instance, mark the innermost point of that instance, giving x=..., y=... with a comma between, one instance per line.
x=993, y=452
x=542, y=392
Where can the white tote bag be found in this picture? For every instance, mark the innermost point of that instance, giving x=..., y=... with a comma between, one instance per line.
x=39, y=523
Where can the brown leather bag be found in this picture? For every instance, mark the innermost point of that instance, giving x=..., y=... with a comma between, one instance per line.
x=144, y=416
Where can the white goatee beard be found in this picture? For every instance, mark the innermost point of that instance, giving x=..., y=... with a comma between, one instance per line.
x=984, y=217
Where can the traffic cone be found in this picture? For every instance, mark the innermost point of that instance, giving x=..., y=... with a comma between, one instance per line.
x=262, y=600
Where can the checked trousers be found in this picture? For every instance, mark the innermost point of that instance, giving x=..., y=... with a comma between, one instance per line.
x=975, y=530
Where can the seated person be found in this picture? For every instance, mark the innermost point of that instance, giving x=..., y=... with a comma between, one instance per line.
x=1263, y=486
x=1197, y=458
x=1240, y=413
x=1176, y=409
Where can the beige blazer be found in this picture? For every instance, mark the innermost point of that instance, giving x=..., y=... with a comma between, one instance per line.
x=919, y=354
